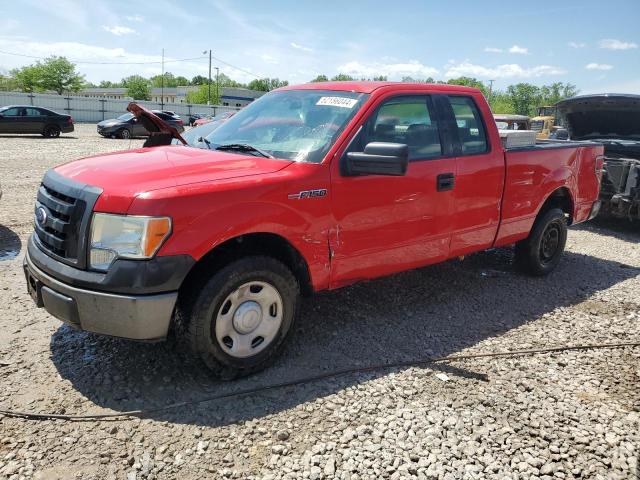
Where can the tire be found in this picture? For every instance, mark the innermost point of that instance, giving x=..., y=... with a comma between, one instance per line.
x=540, y=253
x=237, y=323
x=51, y=131
x=123, y=133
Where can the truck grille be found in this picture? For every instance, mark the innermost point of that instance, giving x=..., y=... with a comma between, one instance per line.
x=62, y=215
x=537, y=125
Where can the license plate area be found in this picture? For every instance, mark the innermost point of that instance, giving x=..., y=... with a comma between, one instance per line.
x=34, y=287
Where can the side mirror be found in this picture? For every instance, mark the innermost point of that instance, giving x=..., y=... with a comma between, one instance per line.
x=378, y=158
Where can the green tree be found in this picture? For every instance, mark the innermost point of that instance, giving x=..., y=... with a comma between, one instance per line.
x=342, y=77
x=169, y=80
x=28, y=79
x=469, y=82
x=59, y=74
x=552, y=94
x=524, y=98
x=109, y=84
x=137, y=87
x=500, y=102
x=266, y=84
x=199, y=80
x=182, y=81
x=201, y=95
x=8, y=82
x=320, y=78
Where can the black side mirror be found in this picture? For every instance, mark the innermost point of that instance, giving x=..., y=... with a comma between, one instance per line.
x=378, y=158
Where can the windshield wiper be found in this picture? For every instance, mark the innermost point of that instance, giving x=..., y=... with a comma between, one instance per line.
x=243, y=147
x=205, y=141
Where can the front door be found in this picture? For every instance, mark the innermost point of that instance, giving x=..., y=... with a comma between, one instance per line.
x=11, y=121
x=385, y=224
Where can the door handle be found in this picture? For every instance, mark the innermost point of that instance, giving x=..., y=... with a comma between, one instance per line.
x=444, y=182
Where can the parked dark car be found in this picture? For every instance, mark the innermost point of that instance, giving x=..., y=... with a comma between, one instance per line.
x=29, y=119
x=128, y=126
x=195, y=116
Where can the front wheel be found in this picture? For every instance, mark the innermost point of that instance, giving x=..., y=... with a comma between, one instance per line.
x=238, y=322
x=540, y=252
x=124, y=133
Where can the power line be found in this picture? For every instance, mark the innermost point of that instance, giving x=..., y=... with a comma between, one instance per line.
x=106, y=63
x=85, y=62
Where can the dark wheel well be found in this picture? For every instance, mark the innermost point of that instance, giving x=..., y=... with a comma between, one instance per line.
x=561, y=198
x=267, y=244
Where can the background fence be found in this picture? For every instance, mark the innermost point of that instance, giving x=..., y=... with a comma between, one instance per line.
x=93, y=110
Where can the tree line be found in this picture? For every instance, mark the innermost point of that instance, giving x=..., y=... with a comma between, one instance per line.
x=520, y=98
x=60, y=75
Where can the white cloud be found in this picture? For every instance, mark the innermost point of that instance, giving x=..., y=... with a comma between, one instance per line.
x=300, y=47
x=118, y=30
x=396, y=71
x=511, y=70
x=268, y=58
x=493, y=50
x=135, y=18
x=613, y=44
x=519, y=50
x=598, y=66
x=577, y=44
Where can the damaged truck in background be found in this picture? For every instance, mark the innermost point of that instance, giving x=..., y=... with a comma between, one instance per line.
x=614, y=121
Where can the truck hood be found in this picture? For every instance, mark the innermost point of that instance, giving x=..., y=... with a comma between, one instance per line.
x=130, y=173
x=604, y=116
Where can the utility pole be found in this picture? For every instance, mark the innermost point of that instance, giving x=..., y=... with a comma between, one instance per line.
x=162, y=84
x=491, y=87
x=218, y=85
x=209, y=89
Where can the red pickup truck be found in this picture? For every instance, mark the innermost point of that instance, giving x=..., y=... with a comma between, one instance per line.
x=310, y=187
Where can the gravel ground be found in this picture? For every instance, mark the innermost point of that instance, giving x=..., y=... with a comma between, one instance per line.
x=569, y=415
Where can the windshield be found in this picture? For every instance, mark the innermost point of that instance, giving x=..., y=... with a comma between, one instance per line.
x=125, y=117
x=194, y=136
x=298, y=125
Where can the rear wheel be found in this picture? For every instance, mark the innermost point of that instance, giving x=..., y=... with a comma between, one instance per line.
x=239, y=320
x=124, y=133
x=540, y=252
x=51, y=131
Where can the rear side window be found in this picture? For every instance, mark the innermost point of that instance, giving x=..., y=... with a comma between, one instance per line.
x=471, y=133
x=407, y=120
x=33, y=112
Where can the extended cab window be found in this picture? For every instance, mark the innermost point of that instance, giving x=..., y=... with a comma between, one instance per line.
x=473, y=138
x=407, y=120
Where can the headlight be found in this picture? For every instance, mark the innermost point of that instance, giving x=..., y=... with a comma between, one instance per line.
x=122, y=236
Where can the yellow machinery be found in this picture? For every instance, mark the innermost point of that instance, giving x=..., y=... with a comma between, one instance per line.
x=544, y=121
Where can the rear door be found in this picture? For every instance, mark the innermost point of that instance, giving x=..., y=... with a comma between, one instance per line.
x=479, y=179
x=34, y=120
x=386, y=224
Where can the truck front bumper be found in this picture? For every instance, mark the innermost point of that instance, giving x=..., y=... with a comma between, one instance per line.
x=137, y=317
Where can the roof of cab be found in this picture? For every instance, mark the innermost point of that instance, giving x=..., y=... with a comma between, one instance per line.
x=370, y=87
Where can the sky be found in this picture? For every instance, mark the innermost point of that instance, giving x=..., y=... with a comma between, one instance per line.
x=592, y=44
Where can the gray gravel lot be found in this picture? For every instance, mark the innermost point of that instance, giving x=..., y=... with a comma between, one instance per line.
x=568, y=415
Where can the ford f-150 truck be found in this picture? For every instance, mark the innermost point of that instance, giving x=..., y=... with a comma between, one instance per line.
x=310, y=187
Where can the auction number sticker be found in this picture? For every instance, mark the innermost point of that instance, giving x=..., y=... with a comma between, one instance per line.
x=337, y=102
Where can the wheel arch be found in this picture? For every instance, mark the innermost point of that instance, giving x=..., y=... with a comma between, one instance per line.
x=255, y=243
x=559, y=198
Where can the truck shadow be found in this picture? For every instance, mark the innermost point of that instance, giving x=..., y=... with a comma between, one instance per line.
x=434, y=311
x=10, y=244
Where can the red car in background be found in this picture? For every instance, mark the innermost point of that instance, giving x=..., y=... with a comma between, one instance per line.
x=210, y=118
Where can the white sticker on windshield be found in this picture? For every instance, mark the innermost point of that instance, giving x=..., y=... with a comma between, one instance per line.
x=337, y=102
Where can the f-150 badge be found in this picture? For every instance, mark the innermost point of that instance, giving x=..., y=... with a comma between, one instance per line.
x=321, y=192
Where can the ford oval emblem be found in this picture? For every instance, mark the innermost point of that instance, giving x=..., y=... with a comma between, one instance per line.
x=41, y=216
